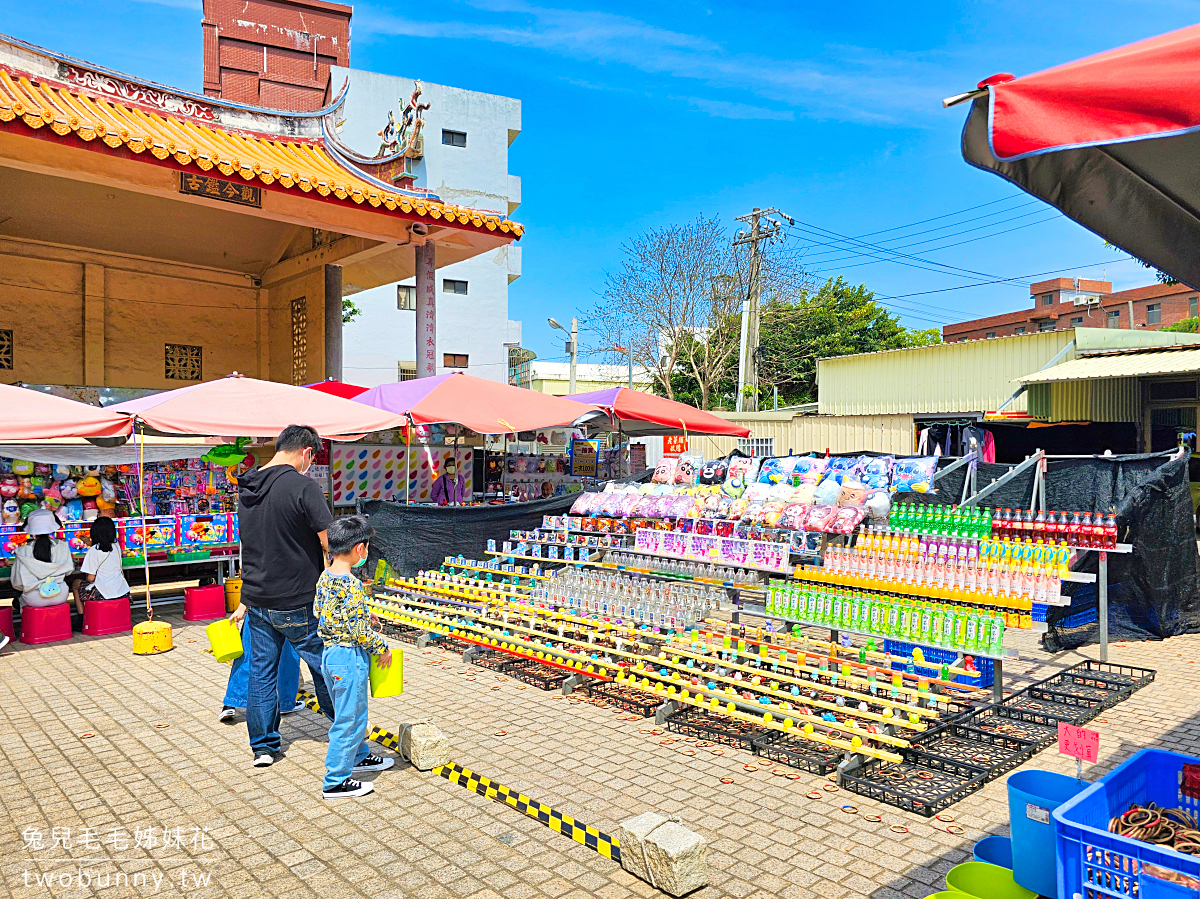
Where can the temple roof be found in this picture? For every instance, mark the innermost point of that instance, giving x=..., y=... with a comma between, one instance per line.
x=107, y=112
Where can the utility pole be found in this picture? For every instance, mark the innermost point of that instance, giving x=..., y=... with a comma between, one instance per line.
x=630, y=350
x=760, y=232
x=574, y=347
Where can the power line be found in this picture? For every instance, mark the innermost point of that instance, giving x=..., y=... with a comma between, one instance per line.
x=942, y=269
x=943, y=216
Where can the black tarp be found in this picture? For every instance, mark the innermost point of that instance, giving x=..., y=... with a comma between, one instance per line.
x=412, y=538
x=1153, y=592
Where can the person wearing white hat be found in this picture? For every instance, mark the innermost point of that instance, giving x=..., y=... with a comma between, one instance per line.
x=40, y=566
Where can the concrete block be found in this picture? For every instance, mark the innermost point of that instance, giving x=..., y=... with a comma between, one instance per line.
x=424, y=745
x=663, y=853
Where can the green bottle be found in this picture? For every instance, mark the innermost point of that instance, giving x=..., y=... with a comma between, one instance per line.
x=935, y=631
x=892, y=628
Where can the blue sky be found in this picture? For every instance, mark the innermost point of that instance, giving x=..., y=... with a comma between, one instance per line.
x=641, y=115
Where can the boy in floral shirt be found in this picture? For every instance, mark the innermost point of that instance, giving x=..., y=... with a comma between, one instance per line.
x=344, y=624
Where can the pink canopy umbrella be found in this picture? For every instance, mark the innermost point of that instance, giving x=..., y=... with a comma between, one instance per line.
x=248, y=407
x=33, y=415
x=644, y=414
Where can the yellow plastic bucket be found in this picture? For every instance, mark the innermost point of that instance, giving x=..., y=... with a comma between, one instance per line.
x=388, y=681
x=150, y=637
x=233, y=593
x=226, y=640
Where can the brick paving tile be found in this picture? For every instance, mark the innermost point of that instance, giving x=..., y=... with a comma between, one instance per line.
x=419, y=835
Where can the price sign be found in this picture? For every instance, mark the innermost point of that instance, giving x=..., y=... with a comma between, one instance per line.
x=674, y=444
x=1078, y=742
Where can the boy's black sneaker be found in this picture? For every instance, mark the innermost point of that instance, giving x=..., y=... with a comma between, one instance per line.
x=348, y=789
x=373, y=763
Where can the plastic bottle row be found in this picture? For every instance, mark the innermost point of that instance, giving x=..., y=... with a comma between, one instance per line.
x=1087, y=529
x=683, y=568
x=630, y=599
x=966, y=629
x=1027, y=573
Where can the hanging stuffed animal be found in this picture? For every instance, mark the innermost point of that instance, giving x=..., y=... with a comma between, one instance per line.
x=74, y=510
x=90, y=511
x=41, y=468
x=39, y=485
x=26, y=508
x=52, y=497
x=26, y=490
x=68, y=489
x=61, y=472
x=9, y=485
x=21, y=467
x=88, y=486
x=5, y=465
x=10, y=512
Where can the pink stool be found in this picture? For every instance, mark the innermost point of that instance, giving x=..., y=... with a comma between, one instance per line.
x=6, y=623
x=46, y=624
x=203, y=603
x=106, y=616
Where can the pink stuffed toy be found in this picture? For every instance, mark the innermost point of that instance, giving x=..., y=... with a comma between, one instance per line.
x=9, y=485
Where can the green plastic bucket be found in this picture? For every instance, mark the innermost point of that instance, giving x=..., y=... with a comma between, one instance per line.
x=949, y=894
x=226, y=640
x=984, y=881
x=388, y=681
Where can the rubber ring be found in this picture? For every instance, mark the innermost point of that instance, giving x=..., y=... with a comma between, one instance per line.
x=688, y=751
x=777, y=773
x=829, y=788
x=162, y=724
x=874, y=819
x=645, y=731
x=470, y=677
x=86, y=735
x=898, y=828
x=814, y=794
x=793, y=777
x=726, y=780
x=954, y=829
x=500, y=733
x=944, y=818
x=666, y=742
x=850, y=809
x=926, y=775
x=717, y=751
x=749, y=767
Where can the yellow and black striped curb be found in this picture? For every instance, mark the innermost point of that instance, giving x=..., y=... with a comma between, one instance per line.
x=375, y=734
x=607, y=846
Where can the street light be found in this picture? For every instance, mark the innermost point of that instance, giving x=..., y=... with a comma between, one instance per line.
x=572, y=345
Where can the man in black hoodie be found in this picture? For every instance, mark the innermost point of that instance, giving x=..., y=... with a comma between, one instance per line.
x=283, y=518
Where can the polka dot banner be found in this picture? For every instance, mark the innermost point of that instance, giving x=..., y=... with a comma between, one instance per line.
x=369, y=471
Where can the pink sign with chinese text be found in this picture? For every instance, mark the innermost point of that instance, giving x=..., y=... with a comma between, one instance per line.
x=1078, y=742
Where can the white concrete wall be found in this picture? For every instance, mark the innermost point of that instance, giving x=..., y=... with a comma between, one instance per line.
x=476, y=175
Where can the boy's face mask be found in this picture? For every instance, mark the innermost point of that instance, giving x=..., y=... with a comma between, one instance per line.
x=363, y=561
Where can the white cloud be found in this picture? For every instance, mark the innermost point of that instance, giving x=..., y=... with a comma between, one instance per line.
x=724, y=109
x=856, y=84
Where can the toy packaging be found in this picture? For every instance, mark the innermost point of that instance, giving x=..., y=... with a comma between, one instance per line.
x=877, y=471
x=155, y=532
x=809, y=470
x=664, y=472
x=914, y=475
x=203, y=530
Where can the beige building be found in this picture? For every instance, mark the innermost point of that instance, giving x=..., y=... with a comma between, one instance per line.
x=555, y=377
x=150, y=238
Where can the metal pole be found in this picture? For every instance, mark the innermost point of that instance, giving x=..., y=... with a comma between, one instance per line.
x=630, y=349
x=574, y=351
x=1102, y=580
x=997, y=680
x=775, y=390
x=742, y=357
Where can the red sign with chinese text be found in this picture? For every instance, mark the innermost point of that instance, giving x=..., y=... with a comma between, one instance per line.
x=674, y=444
x=1078, y=742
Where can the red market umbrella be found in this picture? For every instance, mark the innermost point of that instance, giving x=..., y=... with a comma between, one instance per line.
x=647, y=415
x=338, y=388
x=33, y=415
x=248, y=407
x=1110, y=140
x=486, y=407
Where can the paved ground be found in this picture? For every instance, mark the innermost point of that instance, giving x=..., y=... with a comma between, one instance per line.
x=160, y=760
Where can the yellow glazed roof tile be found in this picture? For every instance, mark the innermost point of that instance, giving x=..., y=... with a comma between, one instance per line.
x=300, y=164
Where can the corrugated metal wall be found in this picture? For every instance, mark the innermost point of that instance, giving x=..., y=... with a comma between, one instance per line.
x=815, y=433
x=1106, y=399
x=972, y=376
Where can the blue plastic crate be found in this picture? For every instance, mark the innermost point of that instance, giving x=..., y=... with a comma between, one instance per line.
x=1095, y=863
x=940, y=656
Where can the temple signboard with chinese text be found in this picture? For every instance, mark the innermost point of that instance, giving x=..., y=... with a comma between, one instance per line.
x=219, y=189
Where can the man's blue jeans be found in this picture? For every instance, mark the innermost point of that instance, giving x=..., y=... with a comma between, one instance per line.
x=239, y=675
x=271, y=628
x=346, y=670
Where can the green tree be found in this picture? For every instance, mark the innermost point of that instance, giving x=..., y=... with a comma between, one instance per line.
x=837, y=320
x=349, y=312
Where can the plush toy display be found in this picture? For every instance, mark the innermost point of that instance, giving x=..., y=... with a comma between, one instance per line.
x=21, y=467
x=9, y=485
x=68, y=488
x=26, y=508
x=26, y=490
x=90, y=510
x=73, y=510
x=10, y=513
x=88, y=486
x=61, y=472
x=52, y=497
x=38, y=482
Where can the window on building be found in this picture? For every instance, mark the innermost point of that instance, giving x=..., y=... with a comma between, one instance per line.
x=183, y=362
x=6, y=350
x=759, y=447
x=1153, y=313
x=1173, y=390
x=454, y=360
x=1193, y=307
x=1076, y=321
x=1047, y=299
x=1047, y=326
x=406, y=298
x=1019, y=330
x=406, y=371
x=1113, y=319
x=451, y=286
x=990, y=334
x=454, y=138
